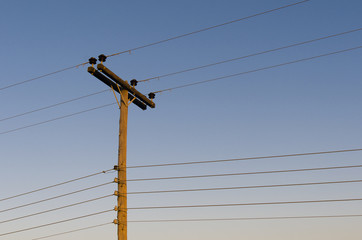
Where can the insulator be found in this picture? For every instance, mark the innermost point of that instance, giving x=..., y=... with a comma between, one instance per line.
x=151, y=95
x=134, y=82
x=92, y=60
x=102, y=58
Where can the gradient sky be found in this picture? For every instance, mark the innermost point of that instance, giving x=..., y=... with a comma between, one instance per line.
x=303, y=107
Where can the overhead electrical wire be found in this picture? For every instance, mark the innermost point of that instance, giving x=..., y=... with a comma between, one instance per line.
x=188, y=85
x=72, y=231
x=210, y=219
x=247, y=187
x=159, y=42
x=258, y=69
x=56, y=209
x=251, y=55
x=248, y=158
x=54, y=223
x=52, y=198
x=56, y=185
x=245, y=218
x=190, y=69
x=57, y=118
x=189, y=206
x=247, y=204
x=188, y=190
x=41, y=76
x=53, y=105
x=244, y=173
x=220, y=175
x=209, y=28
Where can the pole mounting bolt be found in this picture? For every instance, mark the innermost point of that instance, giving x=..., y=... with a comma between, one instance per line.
x=102, y=58
x=116, y=167
x=151, y=95
x=134, y=82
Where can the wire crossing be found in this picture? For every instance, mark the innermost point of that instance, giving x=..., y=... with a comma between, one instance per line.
x=158, y=42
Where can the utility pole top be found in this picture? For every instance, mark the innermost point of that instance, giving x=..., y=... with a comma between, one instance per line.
x=124, y=85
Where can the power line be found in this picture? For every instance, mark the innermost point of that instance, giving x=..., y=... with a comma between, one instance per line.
x=59, y=196
x=251, y=55
x=246, y=218
x=191, y=190
x=247, y=204
x=58, y=118
x=42, y=76
x=53, y=105
x=53, y=223
x=208, y=28
x=56, y=185
x=190, y=69
x=55, y=209
x=188, y=85
x=211, y=219
x=247, y=187
x=245, y=173
x=159, y=42
x=72, y=231
x=248, y=158
x=258, y=69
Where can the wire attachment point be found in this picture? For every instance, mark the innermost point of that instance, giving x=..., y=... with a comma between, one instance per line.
x=134, y=82
x=151, y=95
x=102, y=58
x=92, y=61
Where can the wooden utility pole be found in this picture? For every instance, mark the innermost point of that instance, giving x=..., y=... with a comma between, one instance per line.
x=128, y=95
x=122, y=168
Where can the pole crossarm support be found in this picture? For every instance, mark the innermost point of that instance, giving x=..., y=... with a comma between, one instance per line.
x=125, y=85
x=115, y=87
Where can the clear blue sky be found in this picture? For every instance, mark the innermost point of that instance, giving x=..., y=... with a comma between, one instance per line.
x=303, y=107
